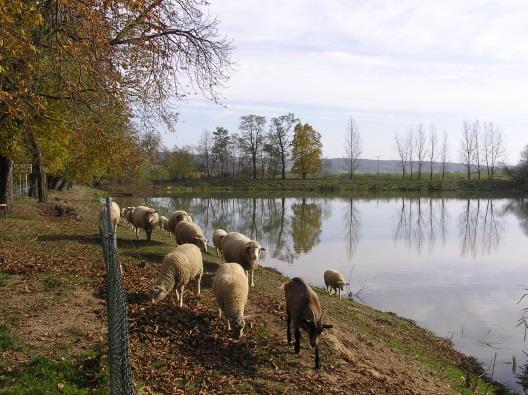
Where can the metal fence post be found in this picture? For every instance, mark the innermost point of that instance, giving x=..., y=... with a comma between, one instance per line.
x=116, y=305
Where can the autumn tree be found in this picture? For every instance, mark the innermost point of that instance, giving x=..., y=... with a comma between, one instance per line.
x=306, y=150
x=352, y=145
x=252, y=137
x=76, y=76
x=280, y=132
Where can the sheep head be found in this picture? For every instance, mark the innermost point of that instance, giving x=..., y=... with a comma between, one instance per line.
x=157, y=293
x=201, y=242
x=237, y=325
x=150, y=216
x=341, y=285
x=253, y=249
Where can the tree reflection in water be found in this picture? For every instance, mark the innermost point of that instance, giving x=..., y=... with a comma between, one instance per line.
x=352, y=221
x=421, y=220
x=479, y=228
x=306, y=224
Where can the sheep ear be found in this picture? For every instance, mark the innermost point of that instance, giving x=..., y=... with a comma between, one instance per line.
x=196, y=238
x=327, y=326
x=155, y=211
x=262, y=249
x=306, y=321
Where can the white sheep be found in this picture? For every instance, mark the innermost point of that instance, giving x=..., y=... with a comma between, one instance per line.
x=334, y=281
x=230, y=288
x=177, y=216
x=218, y=236
x=241, y=249
x=115, y=214
x=189, y=232
x=146, y=218
x=178, y=267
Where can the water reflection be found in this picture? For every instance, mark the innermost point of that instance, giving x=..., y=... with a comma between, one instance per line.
x=305, y=225
x=519, y=207
x=352, y=221
x=421, y=221
x=479, y=228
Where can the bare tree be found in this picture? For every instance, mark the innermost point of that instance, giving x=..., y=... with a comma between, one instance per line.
x=444, y=153
x=281, y=129
x=410, y=148
x=493, y=147
x=476, y=146
x=433, y=139
x=401, y=146
x=252, y=135
x=421, y=148
x=467, y=145
x=353, y=145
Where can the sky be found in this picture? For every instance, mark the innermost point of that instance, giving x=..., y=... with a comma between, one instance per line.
x=388, y=64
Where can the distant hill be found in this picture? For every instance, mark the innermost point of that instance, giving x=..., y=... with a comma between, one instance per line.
x=341, y=165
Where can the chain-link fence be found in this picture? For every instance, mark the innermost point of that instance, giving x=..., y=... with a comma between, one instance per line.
x=116, y=305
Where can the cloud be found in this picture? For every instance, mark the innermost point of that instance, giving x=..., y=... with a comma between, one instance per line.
x=406, y=62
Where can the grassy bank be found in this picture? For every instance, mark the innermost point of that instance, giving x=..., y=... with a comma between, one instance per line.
x=361, y=184
x=52, y=333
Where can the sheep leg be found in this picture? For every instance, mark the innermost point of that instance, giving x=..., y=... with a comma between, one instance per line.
x=297, y=333
x=328, y=290
x=149, y=234
x=288, y=330
x=252, y=283
x=317, y=358
x=181, y=298
x=228, y=324
x=177, y=294
x=339, y=292
x=198, y=282
x=219, y=313
x=137, y=233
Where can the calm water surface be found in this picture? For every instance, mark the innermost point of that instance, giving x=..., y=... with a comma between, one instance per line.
x=455, y=266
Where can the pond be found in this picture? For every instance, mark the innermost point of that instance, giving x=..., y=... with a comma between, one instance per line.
x=456, y=266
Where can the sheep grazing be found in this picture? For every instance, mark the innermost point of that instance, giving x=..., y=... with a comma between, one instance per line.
x=334, y=281
x=178, y=216
x=115, y=214
x=179, y=267
x=164, y=223
x=241, y=249
x=127, y=213
x=145, y=218
x=304, y=309
x=218, y=236
x=230, y=288
x=189, y=232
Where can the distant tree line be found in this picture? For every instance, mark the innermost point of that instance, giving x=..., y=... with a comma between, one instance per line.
x=422, y=150
x=257, y=150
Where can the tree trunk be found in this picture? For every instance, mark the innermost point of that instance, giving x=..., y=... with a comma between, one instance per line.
x=33, y=187
x=6, y=181
x=38, y=170
x=283, y=161
x=63, y=184
x=254, y=167
x=304, y=176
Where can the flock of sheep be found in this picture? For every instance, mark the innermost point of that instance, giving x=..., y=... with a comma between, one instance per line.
x=232, y=279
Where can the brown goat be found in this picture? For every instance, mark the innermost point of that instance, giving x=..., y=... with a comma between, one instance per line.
x=304, y=309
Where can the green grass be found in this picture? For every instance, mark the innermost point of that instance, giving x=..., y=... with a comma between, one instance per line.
x=43, y=375
x=7, y=340
x=4, y=278
x=361, y=184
